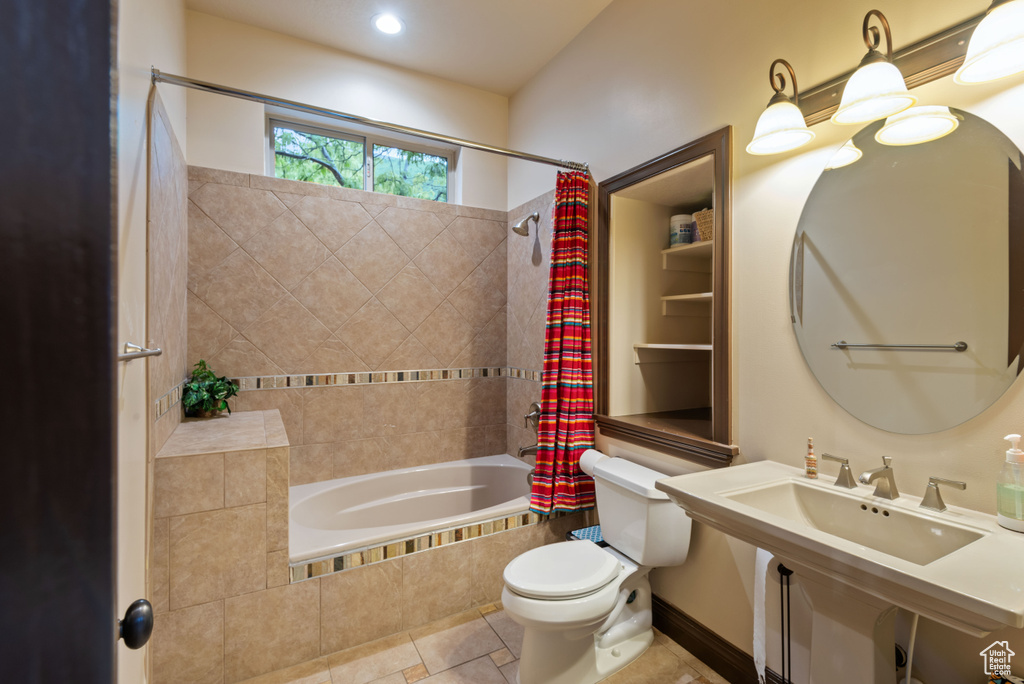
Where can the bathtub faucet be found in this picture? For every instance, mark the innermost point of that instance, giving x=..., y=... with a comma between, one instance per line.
x=528, y=451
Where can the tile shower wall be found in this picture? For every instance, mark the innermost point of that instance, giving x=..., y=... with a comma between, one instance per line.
x=286, y=277
x=167, y=268
x=529, y=260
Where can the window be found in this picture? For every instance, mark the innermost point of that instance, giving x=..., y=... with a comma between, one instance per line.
x=316, y=155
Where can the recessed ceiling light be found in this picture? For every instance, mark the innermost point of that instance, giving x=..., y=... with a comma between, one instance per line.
x=388, y=23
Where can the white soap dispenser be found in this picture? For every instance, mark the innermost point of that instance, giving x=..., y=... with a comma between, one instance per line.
x=1010, y=488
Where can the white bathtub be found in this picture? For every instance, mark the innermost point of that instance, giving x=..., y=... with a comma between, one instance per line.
x=337, y=516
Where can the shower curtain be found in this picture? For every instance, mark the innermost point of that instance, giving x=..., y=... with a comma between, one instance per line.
x=567, y=387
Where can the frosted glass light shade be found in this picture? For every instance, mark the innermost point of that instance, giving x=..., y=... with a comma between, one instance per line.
x=996, y=49
x=875, y=91
x=844, y=156
x=917, y=125
x=780, y=128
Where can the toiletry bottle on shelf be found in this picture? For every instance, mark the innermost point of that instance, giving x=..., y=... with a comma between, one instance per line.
x=810, y=462
x=1010, y=488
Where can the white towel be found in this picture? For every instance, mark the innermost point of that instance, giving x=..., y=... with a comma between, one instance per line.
x=761, y=562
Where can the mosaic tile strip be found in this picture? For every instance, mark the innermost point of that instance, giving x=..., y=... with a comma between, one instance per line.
x=267, y=382
x=524, y=374
x=169, y=400
x=406, y=547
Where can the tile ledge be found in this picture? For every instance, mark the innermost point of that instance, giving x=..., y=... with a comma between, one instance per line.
x=238, y=431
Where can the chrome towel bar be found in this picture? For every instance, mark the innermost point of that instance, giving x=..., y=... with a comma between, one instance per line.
x=958, y=347
x=134, y=351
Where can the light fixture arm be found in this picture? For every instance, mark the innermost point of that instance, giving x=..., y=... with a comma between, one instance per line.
x=781, y=80
x=872, y=38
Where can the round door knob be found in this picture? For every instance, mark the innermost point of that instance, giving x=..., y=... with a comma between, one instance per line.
x=137, y=625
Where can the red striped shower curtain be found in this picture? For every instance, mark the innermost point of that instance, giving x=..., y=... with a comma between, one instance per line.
x=567, y=385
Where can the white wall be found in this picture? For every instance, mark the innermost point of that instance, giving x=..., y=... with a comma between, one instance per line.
x=227, y=133
x=649, y=75
x=150, y=33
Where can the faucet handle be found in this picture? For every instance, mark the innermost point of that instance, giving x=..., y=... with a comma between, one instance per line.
x=887, y=461
x=933, y=498
x=845, y=477
x=533, y=416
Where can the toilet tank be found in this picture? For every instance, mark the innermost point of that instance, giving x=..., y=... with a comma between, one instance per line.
x=637, y=519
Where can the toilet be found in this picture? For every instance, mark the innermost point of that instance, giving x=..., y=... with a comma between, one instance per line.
x=586, y=609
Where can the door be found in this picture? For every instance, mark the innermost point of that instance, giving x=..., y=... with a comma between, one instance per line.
x=57, y=575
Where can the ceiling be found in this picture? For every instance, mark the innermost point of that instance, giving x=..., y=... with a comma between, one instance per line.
x=495, y=45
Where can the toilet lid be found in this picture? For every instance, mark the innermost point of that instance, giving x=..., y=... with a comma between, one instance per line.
x=563, y=570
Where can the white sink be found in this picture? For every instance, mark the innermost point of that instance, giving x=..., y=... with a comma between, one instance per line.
x=957, y=567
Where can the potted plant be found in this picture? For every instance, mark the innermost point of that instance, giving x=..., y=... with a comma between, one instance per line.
x=205, y=394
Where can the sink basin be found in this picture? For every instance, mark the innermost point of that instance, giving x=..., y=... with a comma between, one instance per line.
x=957, y=567
x=914, y=537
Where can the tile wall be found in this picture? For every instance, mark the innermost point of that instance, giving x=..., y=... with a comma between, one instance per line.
x=288, y=277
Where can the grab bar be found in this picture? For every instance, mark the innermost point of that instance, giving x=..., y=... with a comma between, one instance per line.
x=958, y=347
x=134, y=351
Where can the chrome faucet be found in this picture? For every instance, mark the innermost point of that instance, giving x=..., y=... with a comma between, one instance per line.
x=932, y=498
x=885, y=482
x=528, y=451
x=845, y=477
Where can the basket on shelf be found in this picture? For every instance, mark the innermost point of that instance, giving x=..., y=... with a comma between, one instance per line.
x=705, y=224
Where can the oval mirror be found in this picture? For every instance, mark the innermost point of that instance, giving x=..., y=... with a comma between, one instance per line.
x=910, y=251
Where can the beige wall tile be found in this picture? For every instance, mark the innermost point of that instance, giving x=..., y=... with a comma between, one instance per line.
x=208, y=245
x=478, y=237
x=360, y=605
x=188, y=645
x=373, y=257
x=434, y=584
x=411, y=355
x=478, y=297
x=287, y=401
x=374, y=660
x=188, y=484
x=276, y=185
x=238, y=289
x=410, y=297
x=311, y=463
x=445, y=263
x=202, y=174
x=245, y=477
x=333, y=356
x=445, y=333
x=208, y=333
x=492, y=553
x=165, y=426
x=158, y=570
x=332, y=293
x=277, y=498
x=486, y=401
x=287, y=333
x=332, y=414
x=373, y=333
x=488, y=348
x=240, y=358
x=287, y=249
x=413, y=449
x=240, y=212
x=288, y=198
x=334, y=222
x=389, y=408
x=217, y=554
x=269, y=630
x=277, y=568
x=359, y=457
x=411, y=230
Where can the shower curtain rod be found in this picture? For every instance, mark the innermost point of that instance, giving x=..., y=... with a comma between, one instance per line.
x=160, y=77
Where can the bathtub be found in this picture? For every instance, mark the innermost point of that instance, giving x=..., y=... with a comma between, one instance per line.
x=335, y=517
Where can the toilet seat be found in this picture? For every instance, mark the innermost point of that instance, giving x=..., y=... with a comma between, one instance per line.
x=562, y=571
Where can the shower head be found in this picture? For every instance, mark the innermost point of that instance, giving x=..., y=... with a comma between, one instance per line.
x=523, y=227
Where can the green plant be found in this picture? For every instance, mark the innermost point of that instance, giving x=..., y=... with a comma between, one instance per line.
x=205, y=393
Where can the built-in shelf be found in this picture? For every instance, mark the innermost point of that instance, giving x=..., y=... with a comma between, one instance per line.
x=677, y=255
x=664, y=353
x=684, y=304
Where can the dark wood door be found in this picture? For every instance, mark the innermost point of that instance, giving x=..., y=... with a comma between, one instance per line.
x=57, y=218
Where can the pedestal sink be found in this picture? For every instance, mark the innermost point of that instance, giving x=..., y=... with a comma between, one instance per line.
x=860, y=556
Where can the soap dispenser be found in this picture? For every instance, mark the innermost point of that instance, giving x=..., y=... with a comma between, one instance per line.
x=1010, y=488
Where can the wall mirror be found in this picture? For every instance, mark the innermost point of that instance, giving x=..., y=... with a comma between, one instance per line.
x=661, y=312
x=919, y=245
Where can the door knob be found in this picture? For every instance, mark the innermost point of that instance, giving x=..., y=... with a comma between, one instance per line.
x=137, y=625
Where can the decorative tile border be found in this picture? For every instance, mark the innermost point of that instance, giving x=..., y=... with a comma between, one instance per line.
x=270, y=382
x=169, y=400
x=405, y=547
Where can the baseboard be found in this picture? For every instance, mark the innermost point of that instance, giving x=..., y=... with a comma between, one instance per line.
x=730, y=662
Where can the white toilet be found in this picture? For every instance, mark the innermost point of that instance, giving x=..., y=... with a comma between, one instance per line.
x=586, y=610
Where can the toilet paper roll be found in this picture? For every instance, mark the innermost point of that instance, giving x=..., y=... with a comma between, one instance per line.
x=589, y=459
x=761, y=561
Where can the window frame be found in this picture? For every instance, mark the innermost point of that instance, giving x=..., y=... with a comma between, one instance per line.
x=369, y=137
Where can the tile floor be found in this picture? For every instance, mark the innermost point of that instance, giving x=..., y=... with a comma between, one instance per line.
x=480, y=646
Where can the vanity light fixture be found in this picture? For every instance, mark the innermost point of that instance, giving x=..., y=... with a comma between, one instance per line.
x=917, y=125
x=996, y=49
x=844, y=156
x=781, y=126
x=388, y=23
x=877, y=89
